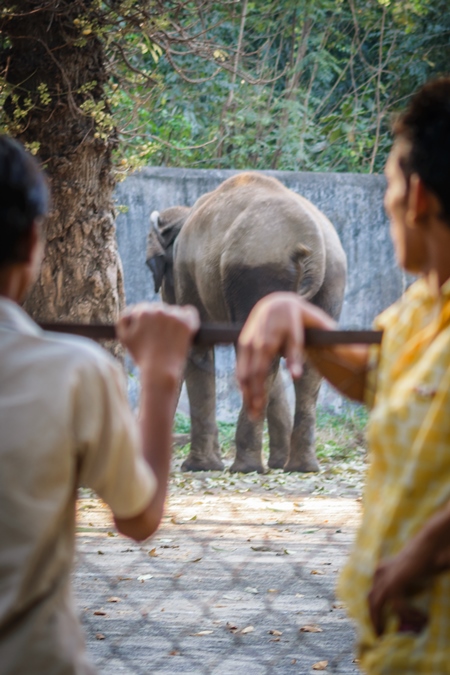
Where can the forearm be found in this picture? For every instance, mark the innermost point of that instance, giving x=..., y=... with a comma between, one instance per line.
x=158, y=403
x=157, y=408
x=345, y=367
x=398, y=578
x=276, y=325
x=434, y=538
x=158, y=338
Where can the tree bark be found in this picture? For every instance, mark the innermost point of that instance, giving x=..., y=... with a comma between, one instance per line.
x=54, y=68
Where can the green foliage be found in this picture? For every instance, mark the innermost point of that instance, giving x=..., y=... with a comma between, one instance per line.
x=274, y=84
x=182, y=423
x=340, y=437
x=340, y=445
x=315, y=86
x=227, y=431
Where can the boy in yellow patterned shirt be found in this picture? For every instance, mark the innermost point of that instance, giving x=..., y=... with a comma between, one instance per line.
x=395, y=584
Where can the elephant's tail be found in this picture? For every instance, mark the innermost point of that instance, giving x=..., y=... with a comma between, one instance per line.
x=306, y=272
x=300, y=252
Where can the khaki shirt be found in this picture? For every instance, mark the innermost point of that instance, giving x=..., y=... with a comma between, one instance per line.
x=64, y=422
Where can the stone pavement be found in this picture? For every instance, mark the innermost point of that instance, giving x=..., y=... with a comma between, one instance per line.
x=231, y=583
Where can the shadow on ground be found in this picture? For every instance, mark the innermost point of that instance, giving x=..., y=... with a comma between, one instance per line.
x=239, y=579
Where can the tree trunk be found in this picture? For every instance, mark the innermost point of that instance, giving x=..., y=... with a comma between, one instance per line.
x=57, y=70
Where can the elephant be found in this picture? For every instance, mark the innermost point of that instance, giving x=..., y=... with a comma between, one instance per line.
x=249, y=237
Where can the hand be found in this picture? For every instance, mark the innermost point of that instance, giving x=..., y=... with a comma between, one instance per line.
x=394, y=581
x=275, y=326
x=398, y=578
x=158, y=337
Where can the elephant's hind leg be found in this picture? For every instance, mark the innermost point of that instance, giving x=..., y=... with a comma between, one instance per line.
x=279, y=421
x=200, y=382
x=302, y=456
x=248, y=445
x=249, y=433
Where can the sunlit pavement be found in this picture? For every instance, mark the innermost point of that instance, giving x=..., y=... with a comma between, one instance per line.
x=235, y=581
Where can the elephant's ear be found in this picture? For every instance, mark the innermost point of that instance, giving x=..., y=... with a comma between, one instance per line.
x=157, y=265
x=169, y=223
x=154, y=226
x=156, y=254
x=164, y=229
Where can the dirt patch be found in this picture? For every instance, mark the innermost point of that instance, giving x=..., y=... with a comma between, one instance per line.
x=239, y=578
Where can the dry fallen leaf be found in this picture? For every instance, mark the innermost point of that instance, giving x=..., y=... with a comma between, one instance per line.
x=261, y=548
x=153, y=553
x=113, y=598
x=247, y=629
x=275, y=632
x=100, y=612
x=145, y=577
x=320, y=665
x=174, y=652
x=317, y=572
x=195, y=560
x=202, y=632
x=311, y=629
x=99, y=636
x=231, y=627
x=272, y=590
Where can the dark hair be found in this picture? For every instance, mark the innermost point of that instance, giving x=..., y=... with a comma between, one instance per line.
x=426, y=125
x=23, y=198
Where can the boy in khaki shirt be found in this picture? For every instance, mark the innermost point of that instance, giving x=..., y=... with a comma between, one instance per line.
x=396, y=584
x=65, y=421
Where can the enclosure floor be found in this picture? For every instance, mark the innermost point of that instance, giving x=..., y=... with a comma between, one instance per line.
x=224, y=587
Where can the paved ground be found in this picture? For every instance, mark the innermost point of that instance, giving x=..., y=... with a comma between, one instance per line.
x=239, y=579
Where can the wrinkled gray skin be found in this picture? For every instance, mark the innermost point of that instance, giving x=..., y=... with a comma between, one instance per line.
x=249, y=237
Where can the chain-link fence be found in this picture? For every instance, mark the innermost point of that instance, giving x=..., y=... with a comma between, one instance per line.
x=239, y=578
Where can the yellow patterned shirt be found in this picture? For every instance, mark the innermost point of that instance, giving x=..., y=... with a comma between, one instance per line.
x=408, y=478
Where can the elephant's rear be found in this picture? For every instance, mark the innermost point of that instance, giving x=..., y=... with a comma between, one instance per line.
x=274, y=244
x=248, y=238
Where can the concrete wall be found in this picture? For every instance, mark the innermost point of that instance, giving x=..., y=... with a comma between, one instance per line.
x=353, y=203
